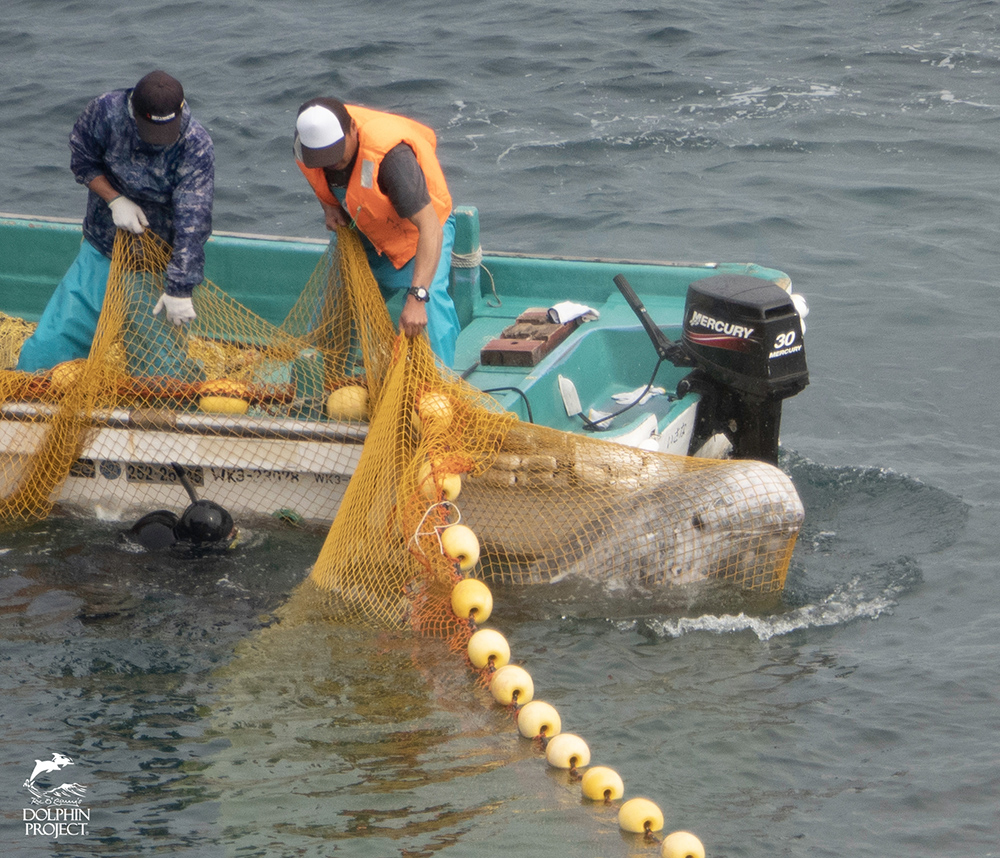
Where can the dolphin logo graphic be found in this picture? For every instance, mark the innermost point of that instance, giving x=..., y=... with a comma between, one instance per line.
x=58, y=761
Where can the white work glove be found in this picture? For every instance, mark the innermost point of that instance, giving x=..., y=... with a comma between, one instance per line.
x=180, y=311
x=127, y=215
x=639, y=396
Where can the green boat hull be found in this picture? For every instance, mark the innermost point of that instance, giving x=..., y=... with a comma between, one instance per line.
x=266, y=274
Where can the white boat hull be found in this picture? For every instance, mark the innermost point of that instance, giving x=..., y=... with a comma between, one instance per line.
x=123, y=473
x=301, y=469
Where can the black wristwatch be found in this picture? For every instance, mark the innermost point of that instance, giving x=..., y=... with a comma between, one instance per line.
x=420, y=293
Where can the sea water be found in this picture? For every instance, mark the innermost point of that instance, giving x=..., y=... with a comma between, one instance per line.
x=854, y=146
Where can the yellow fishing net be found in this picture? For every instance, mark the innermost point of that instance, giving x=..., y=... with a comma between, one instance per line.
x=333, y=416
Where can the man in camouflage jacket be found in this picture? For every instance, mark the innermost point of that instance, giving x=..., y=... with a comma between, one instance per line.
x=147, y=164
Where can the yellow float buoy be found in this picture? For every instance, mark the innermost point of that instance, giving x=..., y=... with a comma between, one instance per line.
x=538, y=718
x=223, y=405
x=223, y=396
x=460, y=544
x=349, y=402
x=640, y=815
x=512, y=684
x=64, y=376
x=471, y=598
x=682, y=844
x=602, y=784
x=486, y=644
x=435, y=411
x=450, y=484
x=567, y=751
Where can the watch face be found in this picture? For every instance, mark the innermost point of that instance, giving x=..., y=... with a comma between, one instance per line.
x=420, y=293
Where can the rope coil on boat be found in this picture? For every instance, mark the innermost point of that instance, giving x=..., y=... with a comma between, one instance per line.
x=474, y=259
x=467, y=260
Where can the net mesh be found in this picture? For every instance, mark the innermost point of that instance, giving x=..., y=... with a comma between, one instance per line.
x=332, y=415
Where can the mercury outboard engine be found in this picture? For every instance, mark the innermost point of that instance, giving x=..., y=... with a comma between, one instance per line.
x=743, y=338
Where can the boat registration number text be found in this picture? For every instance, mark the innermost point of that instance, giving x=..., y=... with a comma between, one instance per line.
x=144, y=472
x=153, y=472
x=251, y=475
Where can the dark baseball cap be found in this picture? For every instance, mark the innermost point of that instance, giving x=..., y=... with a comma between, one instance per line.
x=157, y=104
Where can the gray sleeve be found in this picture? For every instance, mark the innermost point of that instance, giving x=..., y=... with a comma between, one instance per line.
x=402, y=181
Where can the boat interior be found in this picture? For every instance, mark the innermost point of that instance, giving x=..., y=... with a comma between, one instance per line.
x=567, y=378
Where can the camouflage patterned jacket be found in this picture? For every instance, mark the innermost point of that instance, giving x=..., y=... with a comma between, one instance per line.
x=174, y=185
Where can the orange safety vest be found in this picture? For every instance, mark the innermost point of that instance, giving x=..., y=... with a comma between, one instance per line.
x=372, y=210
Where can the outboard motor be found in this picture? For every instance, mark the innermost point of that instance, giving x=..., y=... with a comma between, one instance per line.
x=744, y=336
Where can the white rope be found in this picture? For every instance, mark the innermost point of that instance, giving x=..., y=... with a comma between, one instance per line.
x=467, y=260
x=475, y=260
x=453, y=515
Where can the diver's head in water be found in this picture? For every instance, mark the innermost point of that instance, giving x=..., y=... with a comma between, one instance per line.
x=155, y=530
x=205, y=522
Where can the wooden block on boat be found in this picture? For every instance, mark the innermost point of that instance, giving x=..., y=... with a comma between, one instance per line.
x=535, y=316
x=527, y=341
x=511, y=352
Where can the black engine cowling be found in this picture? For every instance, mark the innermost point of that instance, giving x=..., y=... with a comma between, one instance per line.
x=744, y=336
x=746, y=333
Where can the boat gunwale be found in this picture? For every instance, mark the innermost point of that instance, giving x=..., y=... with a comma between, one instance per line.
x=320, y=243
x=214, y=425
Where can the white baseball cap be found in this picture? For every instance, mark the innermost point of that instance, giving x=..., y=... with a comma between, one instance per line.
x=320, y=136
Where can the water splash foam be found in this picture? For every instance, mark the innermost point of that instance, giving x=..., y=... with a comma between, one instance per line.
x=846, y=603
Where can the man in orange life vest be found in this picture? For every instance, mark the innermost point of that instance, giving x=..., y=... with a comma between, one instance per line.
x=380, y=172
